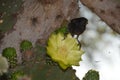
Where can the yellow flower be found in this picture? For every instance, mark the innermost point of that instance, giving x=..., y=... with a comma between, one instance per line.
x=65, y=51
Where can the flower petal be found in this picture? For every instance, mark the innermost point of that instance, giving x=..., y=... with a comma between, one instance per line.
x=65, y=51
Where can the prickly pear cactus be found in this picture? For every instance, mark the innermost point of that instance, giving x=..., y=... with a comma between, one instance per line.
x=25, y=45
x=39, y=65
x=11, y=55
x=16, y=75
x=8, y=13
x=91, y=75
x=44, y=68
x=63, y=29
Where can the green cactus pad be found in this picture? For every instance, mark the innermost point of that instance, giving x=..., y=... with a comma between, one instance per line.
x=16, y=75
x=25, y=45
x=91, y=75
x=39, y=69
x=10, y=54
x=62, y=29
x=8, y=13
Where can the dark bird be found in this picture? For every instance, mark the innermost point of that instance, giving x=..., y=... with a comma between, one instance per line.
x=77, y=26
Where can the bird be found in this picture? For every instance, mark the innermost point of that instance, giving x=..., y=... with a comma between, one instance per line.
x=77, y=26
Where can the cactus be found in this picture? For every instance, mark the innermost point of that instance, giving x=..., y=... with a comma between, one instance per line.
x=8, y=13
x=25, y=45
x=3, y=65
x=16, y=75
x=43, y=67
x=91, y=75
x=63, y=29
x=40, y=68
x=10, y=54
x=26, y=49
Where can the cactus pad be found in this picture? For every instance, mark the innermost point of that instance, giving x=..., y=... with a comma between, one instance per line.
x=91, y=75
x=25, y=45
x=41, y=69
x=11, y=55
x=8, y=13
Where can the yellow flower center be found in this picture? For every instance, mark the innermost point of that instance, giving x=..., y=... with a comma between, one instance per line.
x=62, y=51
